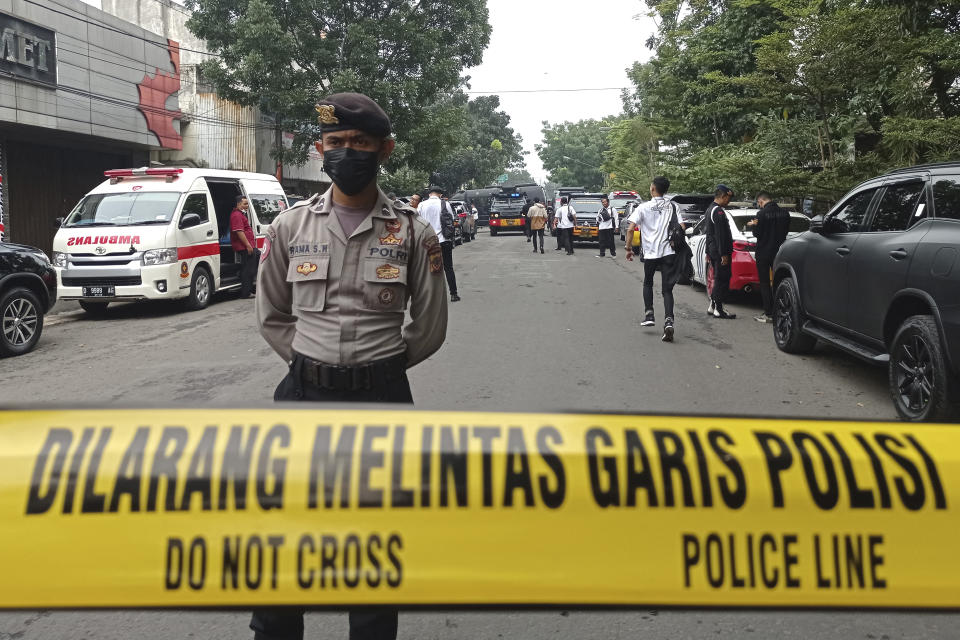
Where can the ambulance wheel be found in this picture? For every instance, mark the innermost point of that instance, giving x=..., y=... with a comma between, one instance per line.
x=201, y=289
x=21, y=321
x=94, y=308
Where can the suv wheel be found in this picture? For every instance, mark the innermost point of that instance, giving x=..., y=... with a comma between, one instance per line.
x=201, y=289
x=94, y=308
x=788, y=320
x=920, y=383
x=21, y=321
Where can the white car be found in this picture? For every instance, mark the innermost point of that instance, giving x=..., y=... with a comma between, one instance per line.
x=743, y=264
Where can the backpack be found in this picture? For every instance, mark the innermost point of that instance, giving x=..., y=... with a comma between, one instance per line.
x=675, y=232
x=446, y=221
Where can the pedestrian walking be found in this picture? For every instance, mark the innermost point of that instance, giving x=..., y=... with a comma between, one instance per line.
x=606, y=220
x=770, y=228
x=565, y=219
x=537, y=217
x=526, y=220
x=244, y=246
x=654, y=220
x=437, y=212
x=719, y=249
x=335, y=275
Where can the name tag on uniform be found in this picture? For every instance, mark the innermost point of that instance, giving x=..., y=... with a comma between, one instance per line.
x=312, y=248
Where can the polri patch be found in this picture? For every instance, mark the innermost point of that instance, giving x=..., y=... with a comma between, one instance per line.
x=436, y=259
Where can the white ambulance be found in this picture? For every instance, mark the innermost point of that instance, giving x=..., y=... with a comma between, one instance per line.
x=159, y=234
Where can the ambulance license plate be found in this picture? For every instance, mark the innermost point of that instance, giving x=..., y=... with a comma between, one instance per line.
x=99, y=292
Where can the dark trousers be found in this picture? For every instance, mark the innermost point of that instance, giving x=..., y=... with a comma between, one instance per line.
x=721, y=282
x=650, y=266
x=766, y=290
x=372, y=623
x=606, y=241
x=537, y=233
x=559, y=234
x=446, y=248
x=567, y=238
x=249, y=262
x=526, y=228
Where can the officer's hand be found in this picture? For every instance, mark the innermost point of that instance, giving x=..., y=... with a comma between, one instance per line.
x=725, y=260
x=629, y=253
x=250, y=250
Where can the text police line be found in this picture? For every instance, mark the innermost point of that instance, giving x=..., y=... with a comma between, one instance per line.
x=173, y=468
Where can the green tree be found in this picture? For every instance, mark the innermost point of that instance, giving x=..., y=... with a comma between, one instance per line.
x=284, y=55
x=573, y=152
x=487, y=147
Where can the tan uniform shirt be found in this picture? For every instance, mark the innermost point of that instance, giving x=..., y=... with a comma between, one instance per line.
x=538, y=216
x=341, y=300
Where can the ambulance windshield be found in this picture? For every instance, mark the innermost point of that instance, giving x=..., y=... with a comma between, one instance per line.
x=124, y=209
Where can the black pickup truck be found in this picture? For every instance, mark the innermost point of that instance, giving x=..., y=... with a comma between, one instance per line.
x=879, y=277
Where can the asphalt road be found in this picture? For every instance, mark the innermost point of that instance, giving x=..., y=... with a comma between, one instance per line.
x=532, y=333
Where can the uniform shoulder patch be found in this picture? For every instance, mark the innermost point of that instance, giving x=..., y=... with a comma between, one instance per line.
x=435, y=258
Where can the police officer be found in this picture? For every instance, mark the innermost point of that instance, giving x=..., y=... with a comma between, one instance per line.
x=336, y=274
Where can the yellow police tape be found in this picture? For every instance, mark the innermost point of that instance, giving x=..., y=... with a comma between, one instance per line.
x=249, y=507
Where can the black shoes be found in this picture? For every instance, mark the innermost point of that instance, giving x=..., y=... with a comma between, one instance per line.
x=667, y=330
x=454, y=298
x=723, y=315
x=648, y=321
x=541, y=249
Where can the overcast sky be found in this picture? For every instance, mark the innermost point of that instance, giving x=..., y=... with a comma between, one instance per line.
x=580, y=45
x=545, y=44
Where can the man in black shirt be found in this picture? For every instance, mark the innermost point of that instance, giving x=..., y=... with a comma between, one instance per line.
x=770, y=228
x=719, y=240
x=526, y=221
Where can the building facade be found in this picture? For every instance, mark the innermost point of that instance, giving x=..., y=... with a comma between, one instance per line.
x=81, y=91
x=216, y=133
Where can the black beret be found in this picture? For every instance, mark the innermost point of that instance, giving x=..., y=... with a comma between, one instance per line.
x=342, y=111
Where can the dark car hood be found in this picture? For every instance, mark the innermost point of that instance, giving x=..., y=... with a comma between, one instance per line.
x=25, y=248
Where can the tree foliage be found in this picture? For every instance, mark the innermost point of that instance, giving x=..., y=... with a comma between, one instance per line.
x=573, y=152
x=487, y=146
x=284, y=55
x=804, y=97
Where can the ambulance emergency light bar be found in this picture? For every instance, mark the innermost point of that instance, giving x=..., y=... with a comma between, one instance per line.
x=116, y=175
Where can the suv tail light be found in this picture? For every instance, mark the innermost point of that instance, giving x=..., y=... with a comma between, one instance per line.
x=740, y=245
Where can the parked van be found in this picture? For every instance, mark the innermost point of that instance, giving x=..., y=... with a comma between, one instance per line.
x=159, y=234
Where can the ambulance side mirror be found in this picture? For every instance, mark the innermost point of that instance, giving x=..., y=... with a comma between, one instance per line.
x=58, y=222
x=189, y=220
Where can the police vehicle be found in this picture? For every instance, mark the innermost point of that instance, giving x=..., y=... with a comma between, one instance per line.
x=506, y=211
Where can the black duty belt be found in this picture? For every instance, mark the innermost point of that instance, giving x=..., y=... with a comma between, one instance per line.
x=366, y=376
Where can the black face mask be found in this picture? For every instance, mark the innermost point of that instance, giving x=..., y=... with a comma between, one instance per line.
x=351, y=170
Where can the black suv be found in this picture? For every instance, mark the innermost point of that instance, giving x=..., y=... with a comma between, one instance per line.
x=28, y=289
x=879, y=277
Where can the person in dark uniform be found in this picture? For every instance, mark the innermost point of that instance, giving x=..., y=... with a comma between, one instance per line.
x=770, y=228
x=526, y=221
x=719, y=249
x=336, y=274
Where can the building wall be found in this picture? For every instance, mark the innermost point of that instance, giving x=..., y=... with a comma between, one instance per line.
x=217, y=133
x=244, y=137
x=100, y=61
x=109, y=96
